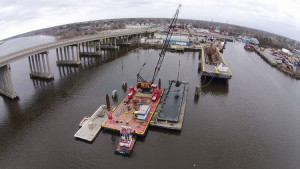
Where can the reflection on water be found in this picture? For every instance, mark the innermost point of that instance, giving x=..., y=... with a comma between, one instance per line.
x=214, y=86
x=41, y=82
x=67, y=70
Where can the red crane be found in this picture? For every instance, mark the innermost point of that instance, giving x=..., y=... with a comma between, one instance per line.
x=225, y=32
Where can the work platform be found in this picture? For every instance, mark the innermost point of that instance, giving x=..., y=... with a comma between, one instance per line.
x=92, y=125
x=125, y=113
x=170, y=111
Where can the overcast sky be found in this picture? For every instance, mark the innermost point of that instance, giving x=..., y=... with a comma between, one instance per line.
x=277, y=16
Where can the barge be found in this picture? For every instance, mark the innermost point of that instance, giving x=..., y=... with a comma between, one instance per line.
x=213, y=65
x=135, y=111
x=170, y=111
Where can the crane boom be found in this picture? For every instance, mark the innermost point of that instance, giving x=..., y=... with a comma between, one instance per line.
x=165, y=44
x=145, y=84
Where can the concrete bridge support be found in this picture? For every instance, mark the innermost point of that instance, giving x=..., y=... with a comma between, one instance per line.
x=109, y=43
x=93, y=48
x=99, y=46
x=118, y=39
x=105, y=43
x=123, y=39
x=40, y=66
x=115, y=43
x=68, y=55
x=6, y=85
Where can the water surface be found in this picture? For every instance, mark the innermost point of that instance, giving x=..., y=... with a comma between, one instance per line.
x=251, y=122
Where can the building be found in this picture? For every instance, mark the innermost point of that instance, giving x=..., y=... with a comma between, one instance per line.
x=254, y=41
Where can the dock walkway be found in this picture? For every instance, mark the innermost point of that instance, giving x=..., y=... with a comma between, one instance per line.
x=92, y=126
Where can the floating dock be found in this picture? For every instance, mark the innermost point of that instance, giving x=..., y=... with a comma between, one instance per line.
x=125, y=113
x=170, y=111
x=92, y=125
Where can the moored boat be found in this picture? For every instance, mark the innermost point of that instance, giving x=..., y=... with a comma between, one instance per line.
x=126, y=142
x=249, y=47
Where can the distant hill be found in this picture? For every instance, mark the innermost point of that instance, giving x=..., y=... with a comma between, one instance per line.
x=92, y=27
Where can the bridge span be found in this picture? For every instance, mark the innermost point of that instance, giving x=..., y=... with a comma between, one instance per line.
x=68, y=52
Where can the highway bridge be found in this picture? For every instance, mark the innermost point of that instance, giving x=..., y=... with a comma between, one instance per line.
x=68, y=52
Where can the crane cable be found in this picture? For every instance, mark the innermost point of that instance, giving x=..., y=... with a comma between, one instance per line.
x=146, y=62
x=153, y=63
x=178, y=70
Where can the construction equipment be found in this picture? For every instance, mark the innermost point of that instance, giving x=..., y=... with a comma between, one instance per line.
x=212, y=28
x=145, y=85
x=225, y=32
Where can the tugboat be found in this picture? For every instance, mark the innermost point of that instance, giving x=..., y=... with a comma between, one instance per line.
x=126, y=142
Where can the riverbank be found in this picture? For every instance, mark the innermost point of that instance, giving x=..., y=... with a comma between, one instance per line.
x=280, y=66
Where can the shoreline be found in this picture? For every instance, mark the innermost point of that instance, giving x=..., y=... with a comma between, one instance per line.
x=290, y=73
x=279, y=67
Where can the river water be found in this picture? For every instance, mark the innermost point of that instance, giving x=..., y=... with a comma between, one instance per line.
x=251, y=122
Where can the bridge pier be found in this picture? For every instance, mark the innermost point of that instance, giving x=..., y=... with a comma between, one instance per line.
x=115, y=43
x=123, y=39
x=109, y=43
x=118, y=39
x=93, y=48
x=104, y=46
x=64, y=55
x=99, y=46
x=39, y=66
x=6, y=85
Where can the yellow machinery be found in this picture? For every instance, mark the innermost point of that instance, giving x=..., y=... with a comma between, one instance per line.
x=146, y=85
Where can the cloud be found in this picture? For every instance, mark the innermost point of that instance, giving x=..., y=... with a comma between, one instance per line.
x=21, y=16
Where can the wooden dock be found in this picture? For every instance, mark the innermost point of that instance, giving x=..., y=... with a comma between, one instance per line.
x=92, y=126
